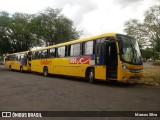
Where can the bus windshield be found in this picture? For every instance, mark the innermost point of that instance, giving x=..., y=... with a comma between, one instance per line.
x=130, y=51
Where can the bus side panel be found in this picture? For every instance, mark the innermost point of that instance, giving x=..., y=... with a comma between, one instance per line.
x=78, y=65
x=13, y=65
x=82, y=70
x=35, y=65
x=10, y=63
x=100, y=72
x=75, y=68
x=26, y=68
x=55, y=66
x=7, y=63
x=50, y=65
x=62, y=66
x=39, y=64
x=17, y=65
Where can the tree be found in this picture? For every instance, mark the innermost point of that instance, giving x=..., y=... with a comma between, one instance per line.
x=20, y=32
x=15, y=35
x=147, y=53
x=22, y=37
x=152, y=26
x=4, y=28
x=52, y=27
x=146, y=32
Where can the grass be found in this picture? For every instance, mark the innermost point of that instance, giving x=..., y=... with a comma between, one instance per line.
x=151, y=75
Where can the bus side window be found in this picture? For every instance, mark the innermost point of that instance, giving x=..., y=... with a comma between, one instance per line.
x=75, y=50
x=7, y=58
x=33, y=55
x=22, y=56
x=39, y=54
x=88, y=48
x=71, y=50
x=13, y=57
x=61, y=51
x=18, y=57
x=44, y=54
x=52, y=53
x=36, y=54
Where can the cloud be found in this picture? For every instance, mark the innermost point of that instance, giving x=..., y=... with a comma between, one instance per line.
x=125, y=3
x=134, y=3
x=98, y=16
x=91, y=16
x=76, y=9
x=25, y=6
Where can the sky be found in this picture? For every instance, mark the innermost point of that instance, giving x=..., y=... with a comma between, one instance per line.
x=93, y=17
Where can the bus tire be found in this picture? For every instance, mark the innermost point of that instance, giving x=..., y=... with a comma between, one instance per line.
x=45, y=71
x=10, y=68
x=21, y=69
x=91, y=77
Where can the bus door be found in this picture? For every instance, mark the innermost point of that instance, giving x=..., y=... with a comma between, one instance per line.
x=29, y=57
x=100, y=69
x=111, y=59
x=99, y=54
x=24, y=59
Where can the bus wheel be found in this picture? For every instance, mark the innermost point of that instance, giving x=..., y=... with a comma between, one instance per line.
x=10, y=68
x=45, y=71
x=21, y=69
x=91, y=76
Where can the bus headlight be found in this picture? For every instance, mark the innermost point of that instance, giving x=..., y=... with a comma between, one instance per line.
x=124, y=67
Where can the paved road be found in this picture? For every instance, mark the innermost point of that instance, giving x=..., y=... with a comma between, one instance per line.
x=26, y=91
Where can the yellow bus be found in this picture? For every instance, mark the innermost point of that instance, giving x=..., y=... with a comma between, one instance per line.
x=18, y=61
x=108, y=56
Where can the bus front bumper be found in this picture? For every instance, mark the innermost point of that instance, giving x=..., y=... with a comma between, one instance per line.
x=130, y=77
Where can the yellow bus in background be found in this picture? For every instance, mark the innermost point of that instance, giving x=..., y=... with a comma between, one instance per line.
x=107, y=56
x=19, y=61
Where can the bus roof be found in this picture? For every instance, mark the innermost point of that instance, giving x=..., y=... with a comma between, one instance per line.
x=17, y=53
x=77, y=41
